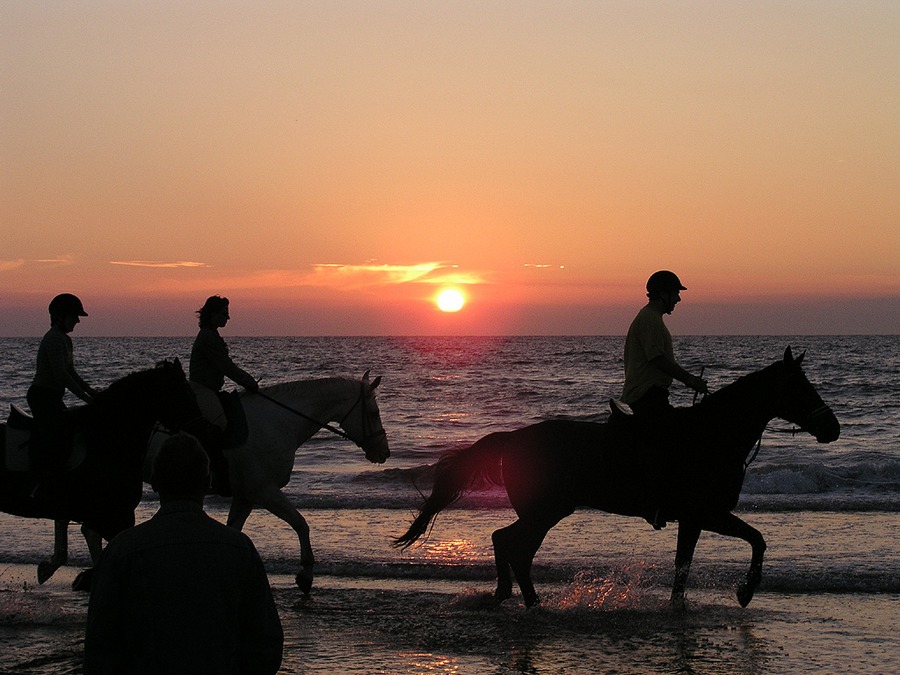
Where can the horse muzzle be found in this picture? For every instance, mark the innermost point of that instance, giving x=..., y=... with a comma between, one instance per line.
x=823, y=425
x=376, y=448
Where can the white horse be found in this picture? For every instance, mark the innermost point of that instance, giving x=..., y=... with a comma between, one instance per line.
x=281, y=418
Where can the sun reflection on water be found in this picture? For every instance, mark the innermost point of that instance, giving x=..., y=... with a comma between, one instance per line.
x=450, y=551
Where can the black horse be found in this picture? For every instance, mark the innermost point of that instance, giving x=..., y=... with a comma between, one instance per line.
x=104, y=489
x=690, y=472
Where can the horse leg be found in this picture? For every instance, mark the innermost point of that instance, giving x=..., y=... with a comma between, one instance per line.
x=501, y=559
x=94, y=543
x=514, y=549
x=730, y=525
x=238, y=513
x=688, y=535
x=278, y=505
x=60, y=556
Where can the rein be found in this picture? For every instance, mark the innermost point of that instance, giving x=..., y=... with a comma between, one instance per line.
x=793, y=431
x=326, y=425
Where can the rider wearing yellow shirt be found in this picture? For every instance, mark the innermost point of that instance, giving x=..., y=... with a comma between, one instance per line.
x=650, y=364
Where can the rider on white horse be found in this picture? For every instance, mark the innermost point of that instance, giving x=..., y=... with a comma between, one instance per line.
x=210, y=365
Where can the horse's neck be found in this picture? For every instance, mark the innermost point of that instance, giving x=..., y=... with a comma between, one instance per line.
x=122, y=406
x=326, y=399
x=306, y=406
x=742, y=408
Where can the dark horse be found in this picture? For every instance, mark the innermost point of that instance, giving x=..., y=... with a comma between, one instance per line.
x=104, y=489
x=691, y=472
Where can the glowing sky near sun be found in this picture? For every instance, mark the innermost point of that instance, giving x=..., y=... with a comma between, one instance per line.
x=331, y=166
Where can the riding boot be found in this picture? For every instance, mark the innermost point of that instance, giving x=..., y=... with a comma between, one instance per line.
x=218, y=466
x=221, y=482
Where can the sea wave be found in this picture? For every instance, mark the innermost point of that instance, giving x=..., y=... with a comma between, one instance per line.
x=876, y=478
x=825, y=577
x=867, y=486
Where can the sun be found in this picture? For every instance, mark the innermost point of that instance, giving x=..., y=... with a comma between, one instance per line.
x=450, y=300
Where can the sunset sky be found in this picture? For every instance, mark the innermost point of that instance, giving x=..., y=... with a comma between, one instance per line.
x=331, y=166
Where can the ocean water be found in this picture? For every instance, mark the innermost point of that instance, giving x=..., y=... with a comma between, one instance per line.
x=831, y=581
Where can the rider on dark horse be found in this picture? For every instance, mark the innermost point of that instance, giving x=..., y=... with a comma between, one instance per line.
x=650, y=364
x=51, y=435
x=210, y=365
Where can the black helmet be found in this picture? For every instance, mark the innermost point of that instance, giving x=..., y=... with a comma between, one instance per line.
x=65, y=304
x=663, y=282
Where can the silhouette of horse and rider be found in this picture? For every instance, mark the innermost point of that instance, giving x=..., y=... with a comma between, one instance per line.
x=661, y=463
x=94, y=471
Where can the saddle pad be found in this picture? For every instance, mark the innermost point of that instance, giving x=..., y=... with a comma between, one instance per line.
x=18, y=418
x=16, y=448
x=18, y=434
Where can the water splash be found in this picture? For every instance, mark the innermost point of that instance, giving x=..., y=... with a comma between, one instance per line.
x=624, y=587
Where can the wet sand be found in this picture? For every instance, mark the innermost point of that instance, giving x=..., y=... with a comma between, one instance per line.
x=354, y=625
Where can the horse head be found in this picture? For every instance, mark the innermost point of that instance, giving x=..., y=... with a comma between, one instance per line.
x=366, y=428
x=798, y=402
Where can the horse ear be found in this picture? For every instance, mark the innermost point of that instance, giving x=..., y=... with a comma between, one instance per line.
x=375, y=383
x=366, y=375
x=177, y=364
x=789, y=357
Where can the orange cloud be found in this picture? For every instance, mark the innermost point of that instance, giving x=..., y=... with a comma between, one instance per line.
x=19, y=263
x=325, y=276
x=354, y=276
x=157, y=263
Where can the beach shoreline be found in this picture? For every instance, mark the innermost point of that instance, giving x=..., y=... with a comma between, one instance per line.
x=359, y=625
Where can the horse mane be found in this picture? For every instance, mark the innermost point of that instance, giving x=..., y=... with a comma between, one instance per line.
x=300, y=386
x=749, y=383
x=132, y=382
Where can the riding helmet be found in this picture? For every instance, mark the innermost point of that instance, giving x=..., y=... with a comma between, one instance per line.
x=66, y=304
x=663, y=282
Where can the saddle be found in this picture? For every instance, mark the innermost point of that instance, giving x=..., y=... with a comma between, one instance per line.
x=618, y=414
x=19, y=426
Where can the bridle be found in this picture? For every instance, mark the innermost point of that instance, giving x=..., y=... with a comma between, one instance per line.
x=805, y=426
x=366, y=421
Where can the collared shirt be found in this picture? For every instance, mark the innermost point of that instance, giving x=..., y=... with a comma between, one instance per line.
x=647, y=339
x=182, y=593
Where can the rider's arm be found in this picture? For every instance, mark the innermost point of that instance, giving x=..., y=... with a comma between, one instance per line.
x=239, y=375
x=60, y=360
x=672, y=369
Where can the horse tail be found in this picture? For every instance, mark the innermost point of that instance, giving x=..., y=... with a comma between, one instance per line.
x=457, y=472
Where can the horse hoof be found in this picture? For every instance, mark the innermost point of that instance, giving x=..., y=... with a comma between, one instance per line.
x=45, y=571
x=745, y=594
x=304, y=581
x=502, y=594
x=83, y=581
x=678, y=604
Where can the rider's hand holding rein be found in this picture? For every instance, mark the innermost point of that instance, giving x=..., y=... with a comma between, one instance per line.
x=698, y=384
